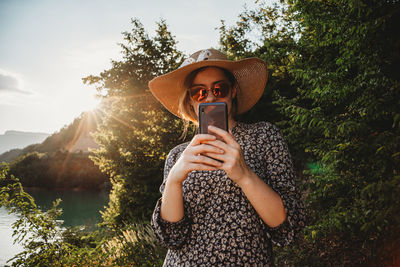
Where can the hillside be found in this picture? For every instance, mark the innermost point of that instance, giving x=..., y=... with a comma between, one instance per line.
x=62, y=160
x=75, y=137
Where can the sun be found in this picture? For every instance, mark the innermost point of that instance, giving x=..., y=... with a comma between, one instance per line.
x=83, y=139
x=90, y=102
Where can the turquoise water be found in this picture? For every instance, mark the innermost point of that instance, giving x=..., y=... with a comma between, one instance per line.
x=79, y=208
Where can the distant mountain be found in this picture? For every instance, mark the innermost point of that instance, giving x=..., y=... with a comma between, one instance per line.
x=16, y=139
x=62, y=160
x=73, y=138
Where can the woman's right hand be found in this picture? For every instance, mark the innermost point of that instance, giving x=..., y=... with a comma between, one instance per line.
x=193, y=158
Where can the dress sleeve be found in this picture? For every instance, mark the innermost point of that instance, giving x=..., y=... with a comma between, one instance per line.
x=282, y=180
x=172, y=235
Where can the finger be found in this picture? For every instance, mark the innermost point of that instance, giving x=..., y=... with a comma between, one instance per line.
x=216, y=156
x=202, y=167
x=232, y=151
x=199, y=138
x=224, y=134
x=201, y=159
x=219, y=144
x=206, y=148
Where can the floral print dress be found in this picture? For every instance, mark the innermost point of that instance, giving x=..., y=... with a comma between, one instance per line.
x=220, y=227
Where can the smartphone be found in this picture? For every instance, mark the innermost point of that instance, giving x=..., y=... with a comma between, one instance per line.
x=215, y=114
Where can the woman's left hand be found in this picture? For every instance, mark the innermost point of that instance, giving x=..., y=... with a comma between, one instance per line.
x=232, y=159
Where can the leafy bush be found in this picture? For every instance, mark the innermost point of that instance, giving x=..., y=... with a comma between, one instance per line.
x=137, y=245
x=59, y=170
x=36, y=230
x=46, y=243
x=136, y=133
x=341, y=120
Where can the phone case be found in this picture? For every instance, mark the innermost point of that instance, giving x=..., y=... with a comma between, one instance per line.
x=215, y=114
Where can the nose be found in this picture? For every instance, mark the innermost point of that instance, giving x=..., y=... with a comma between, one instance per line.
x=210, y=97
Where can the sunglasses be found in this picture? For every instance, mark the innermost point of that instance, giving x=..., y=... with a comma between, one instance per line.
x=199, y=93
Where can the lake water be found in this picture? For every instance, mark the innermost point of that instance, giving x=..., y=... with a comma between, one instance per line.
x=79, y=208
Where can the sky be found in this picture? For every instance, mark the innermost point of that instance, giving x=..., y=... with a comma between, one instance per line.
x=48, y=46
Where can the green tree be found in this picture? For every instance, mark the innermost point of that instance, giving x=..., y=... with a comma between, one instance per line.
x=264, y=33
x=342, y=57
x=59, y=170
x=31, y=167
x=37, y=231
x=136, y=133
x=46, y=243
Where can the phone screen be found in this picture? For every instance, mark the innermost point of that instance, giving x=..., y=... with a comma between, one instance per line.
x=215, y=114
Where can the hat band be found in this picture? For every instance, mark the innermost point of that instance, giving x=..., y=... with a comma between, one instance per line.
x=202, y=56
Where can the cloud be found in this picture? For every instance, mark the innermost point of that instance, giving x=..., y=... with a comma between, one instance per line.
x=11, y=83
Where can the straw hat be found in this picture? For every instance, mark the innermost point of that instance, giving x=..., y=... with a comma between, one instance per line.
x=251, y=75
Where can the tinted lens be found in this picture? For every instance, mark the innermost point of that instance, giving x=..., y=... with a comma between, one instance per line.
x=221, y=90
x=198, y=93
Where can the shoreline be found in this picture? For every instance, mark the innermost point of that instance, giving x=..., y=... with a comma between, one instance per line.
x=74, y=189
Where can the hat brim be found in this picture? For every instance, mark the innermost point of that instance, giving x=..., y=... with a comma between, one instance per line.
x=251, y=75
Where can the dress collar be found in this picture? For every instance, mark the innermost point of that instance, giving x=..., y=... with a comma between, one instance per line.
x=235, y=129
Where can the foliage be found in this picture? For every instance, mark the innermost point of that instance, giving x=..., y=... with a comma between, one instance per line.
x=58, y=170
x=136, y=245
x=47, y=244
x=135, y=137
x=137, y=132
x=342, y=58
x=333, y=89
x=36, y=230
x=55, y=163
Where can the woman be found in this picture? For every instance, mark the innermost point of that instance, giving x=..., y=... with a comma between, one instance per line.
x=224, y=202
